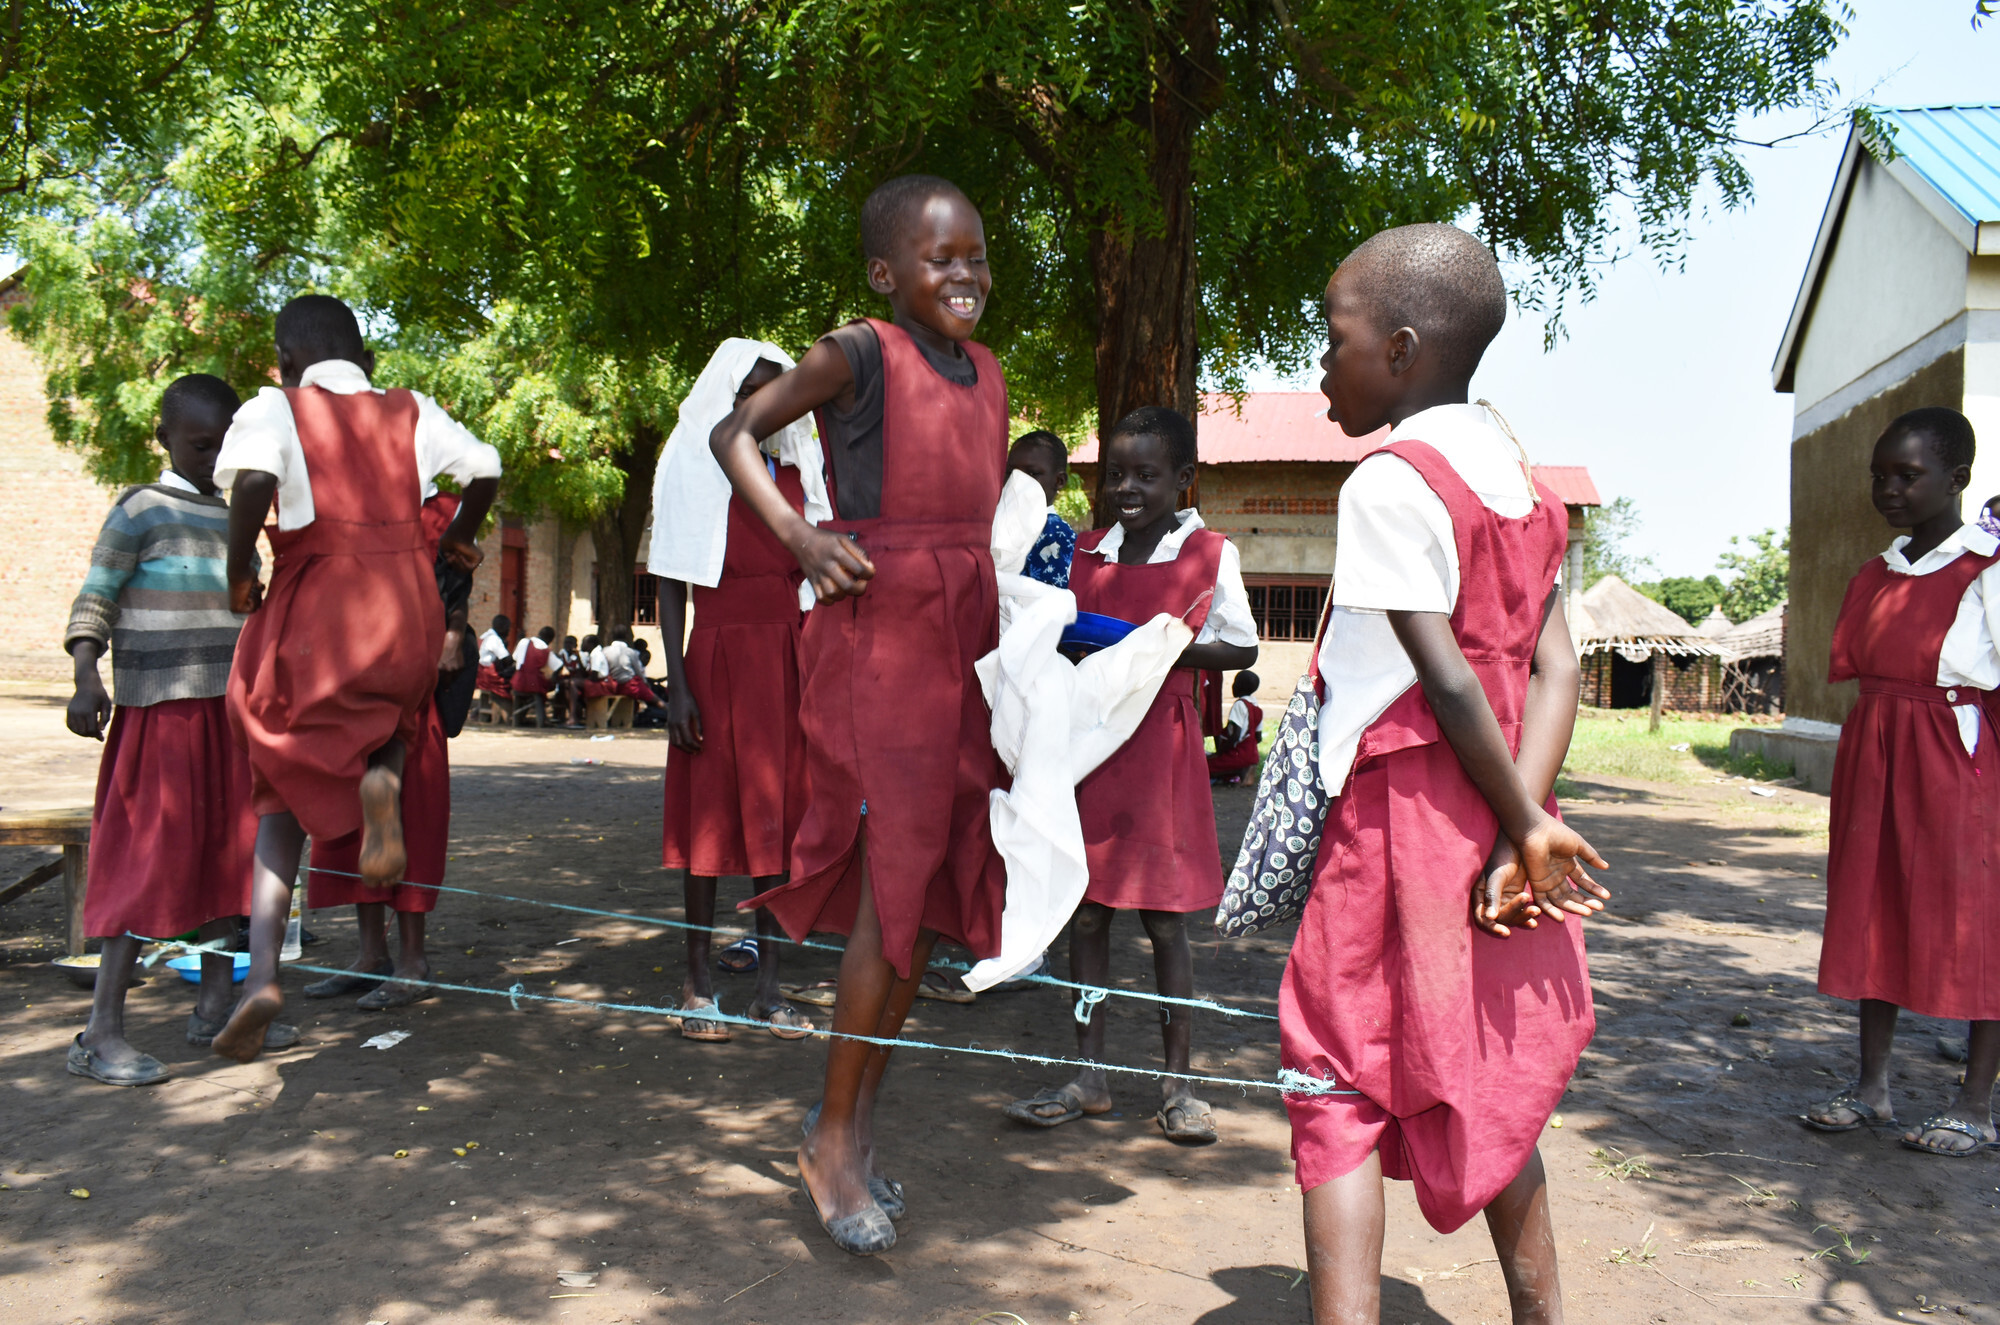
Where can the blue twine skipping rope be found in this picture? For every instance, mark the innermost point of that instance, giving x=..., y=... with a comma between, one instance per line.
x=1289, y=1082
x=1084, y=991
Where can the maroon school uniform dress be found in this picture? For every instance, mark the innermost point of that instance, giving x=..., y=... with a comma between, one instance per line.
x=1148, y=817
x=1244, y=753
x=733, y=807
x=426, y=801
x=529, y=679
x=1459, y=1043
x=343, y=654
x=894, y=722
x=1913, y=862
x=172, y=834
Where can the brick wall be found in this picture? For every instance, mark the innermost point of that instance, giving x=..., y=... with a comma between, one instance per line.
x=1694, y=685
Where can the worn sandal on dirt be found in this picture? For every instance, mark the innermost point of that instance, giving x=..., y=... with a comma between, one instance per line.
x=695, y=1027
x=1851, y=1101
x=786, y=1022
x=201, y=1034
x=395, y=994
x=943, y=988
x=740, y=957
x=1064, y=1097
x=141, y=1071
x=350, y=982
x=819, y=994
x=1187, y=1120
x=888, y=1193
x=1944, y=1122
x=865, y=1233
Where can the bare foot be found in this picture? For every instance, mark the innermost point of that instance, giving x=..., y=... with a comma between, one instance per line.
x=382, y=855
x=243, y=1038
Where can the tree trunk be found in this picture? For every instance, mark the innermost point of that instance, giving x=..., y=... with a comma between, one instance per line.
x=1147, y=287
x=615, y=531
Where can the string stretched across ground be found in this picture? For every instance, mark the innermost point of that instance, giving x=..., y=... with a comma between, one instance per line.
x=1288, y=1081
x=1094, y=993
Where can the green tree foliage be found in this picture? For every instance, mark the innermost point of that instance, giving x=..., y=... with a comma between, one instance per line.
x=1759, y=575
x=1685, y=596
x=1608, y=532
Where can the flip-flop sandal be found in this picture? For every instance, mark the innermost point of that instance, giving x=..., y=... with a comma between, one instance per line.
x=1944, y=1122
x=201, y=1033
x=739, y=958
x=787, y=1023
x=1187, y=1120
x=888, y=1193
x=1850, y=1100
x=395, y=994
x=352, y=982
x=695, y=1027
x=141, y=1071
x=864, y=1233
x=1023, y=1111
x=819, y=994
x=936, y=985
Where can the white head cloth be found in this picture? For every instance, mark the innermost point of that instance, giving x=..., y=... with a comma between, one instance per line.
x=690, y=491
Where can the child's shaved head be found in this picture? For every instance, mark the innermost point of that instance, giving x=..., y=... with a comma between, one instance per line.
x=892, y=204
x=193, y=392
x=1948, y=432
x=315, y=327
x=1438, y=281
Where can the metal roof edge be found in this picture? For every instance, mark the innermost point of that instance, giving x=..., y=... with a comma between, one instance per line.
x=1942, y=209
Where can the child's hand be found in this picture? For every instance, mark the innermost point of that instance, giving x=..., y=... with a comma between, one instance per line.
x=835, y=565
x=1500, y=895
x=683, y=720
x=246, y=596
x=89, y=708
x=461, y=552
x=452, y=656
x=1552, y=858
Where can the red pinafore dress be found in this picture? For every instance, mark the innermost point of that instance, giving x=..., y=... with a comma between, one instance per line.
x=529, y=678
x=895, y=725
x=1459, y=1043
x=426, y=799
x=1148, y=817
x=1913, y=860
x=343, y=654
x=734, y=807
x=1244, y=753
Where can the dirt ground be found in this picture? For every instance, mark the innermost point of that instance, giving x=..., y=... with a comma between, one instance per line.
x=1684, y=1188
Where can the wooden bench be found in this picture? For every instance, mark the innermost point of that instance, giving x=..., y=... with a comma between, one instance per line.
x=68, y=829
x=603, y=711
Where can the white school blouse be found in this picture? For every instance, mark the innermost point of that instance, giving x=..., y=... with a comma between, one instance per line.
x=491, y=648
x=1229, y=620
x=265, y=437
x=1394, y=550
x=1968, y=657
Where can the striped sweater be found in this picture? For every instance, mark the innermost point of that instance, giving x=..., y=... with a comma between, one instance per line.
x=158, y=594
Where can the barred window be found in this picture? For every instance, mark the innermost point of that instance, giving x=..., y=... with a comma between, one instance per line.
x=645, y=597
x=1287, y=609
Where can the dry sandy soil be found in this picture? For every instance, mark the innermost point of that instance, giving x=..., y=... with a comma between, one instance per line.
x=1685, y=1190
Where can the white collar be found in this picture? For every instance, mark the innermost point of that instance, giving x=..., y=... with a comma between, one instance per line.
x=1968, y=537
x=170, y=479
x=1447, y=423
x=340, y=376
x=1170, y=542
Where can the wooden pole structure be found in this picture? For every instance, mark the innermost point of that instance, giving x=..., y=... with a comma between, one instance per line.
x=1659, y=691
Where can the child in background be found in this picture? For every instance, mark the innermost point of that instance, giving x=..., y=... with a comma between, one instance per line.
x=172, y=830
x=496, y=661
x=624, y=667
x=1148, y=819
x=1236, y=747
x=1913, y=862
x=1042, y=456
x=333, y=671
x=569, y=677
x=735, y=786
x=426, y=807
x=531, y=671
x=895, y=847
x=1443, y=1023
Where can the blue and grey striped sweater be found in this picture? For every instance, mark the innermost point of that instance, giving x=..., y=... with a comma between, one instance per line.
x=158, y=594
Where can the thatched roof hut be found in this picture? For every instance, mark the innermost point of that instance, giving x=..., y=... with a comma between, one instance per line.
x=1613, y=617
x=1762, y=636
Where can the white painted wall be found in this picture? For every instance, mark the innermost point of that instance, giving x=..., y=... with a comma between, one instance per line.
x=1894, y=275
x=1982, y=406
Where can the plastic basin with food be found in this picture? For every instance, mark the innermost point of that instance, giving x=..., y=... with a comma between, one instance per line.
x=189, y=967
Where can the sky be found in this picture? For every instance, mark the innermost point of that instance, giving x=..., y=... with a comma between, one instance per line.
x=1663, y=387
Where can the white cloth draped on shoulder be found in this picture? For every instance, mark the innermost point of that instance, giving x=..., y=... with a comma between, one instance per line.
x=1054, y=722
x=690, y=491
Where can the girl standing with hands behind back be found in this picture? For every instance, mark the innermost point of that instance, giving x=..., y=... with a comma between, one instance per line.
x=1913, y=864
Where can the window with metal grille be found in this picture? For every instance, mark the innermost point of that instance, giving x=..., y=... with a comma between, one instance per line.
x=645, y=598
x=1287, y=609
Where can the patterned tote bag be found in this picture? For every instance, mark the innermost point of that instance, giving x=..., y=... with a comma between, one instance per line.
x=1274, y=870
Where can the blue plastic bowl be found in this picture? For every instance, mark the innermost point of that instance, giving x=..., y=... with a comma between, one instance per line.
x=1092, y=631
x=189, y=966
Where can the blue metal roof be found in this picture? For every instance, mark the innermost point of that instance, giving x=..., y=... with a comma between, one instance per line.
x=1957, y=151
